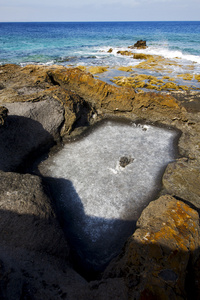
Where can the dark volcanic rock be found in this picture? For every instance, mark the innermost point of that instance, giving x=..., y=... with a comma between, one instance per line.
x=27, y=219
x=139, y=44
x=33, y=250
x=31, y=128
x=34, y=253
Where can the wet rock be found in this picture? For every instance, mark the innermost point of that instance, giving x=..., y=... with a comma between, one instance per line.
x=149, y=82
x=139, y=44
x=110, y=50
x=127, y=53
x=154, y=261
x=97, y=69
x=125, y=69
x=141, y=56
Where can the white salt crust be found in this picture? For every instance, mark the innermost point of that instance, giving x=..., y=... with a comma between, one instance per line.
x=98, y=193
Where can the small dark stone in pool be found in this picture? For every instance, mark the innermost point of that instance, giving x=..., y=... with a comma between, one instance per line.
x=124, y=161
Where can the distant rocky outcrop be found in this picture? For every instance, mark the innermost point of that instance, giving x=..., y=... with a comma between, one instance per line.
x=110, y=50
x=139, y=44
x=48, y=104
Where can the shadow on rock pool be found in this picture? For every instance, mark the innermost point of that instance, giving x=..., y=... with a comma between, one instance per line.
x=100, y=197
x=22, y=140
x=94, y=241
x=101, y=183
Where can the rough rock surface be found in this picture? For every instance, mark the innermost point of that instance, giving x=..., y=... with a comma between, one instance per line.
x=182, y=179
x=31, y=238
x=3, y=114
x=34, y=252
x=161, y=260
x=27, y=218
x=31, y=128
x=35, y=83
x=154, y=260
x=98, y=93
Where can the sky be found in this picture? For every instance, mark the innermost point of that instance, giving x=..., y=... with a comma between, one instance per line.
x=100, y=10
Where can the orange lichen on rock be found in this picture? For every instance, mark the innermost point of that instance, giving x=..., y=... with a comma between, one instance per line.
x=147, y=99
x=82, y=68
x=97, y=69
x=157, y=63
x=142, y=56
x=156, y=257
x=96, y=91
x=179, y=229
x=125, y=69
x=186, y=76
x=197, y=77
x=169, y=78
x=148, y=82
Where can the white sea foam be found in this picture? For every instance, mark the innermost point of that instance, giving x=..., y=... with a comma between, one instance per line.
x=49, y=63
x=116, y=59
x=167, y=53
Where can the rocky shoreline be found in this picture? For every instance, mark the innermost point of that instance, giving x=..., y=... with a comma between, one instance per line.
x=45, y=106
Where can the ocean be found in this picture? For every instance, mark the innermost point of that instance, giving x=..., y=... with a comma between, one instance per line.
x=87, y=44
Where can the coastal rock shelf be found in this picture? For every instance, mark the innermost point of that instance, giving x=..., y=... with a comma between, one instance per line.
x=103, y=181
x=129, y=171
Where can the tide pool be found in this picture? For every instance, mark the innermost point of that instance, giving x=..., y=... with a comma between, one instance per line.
x=102, y=182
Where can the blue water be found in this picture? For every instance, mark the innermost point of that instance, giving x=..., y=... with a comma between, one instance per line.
x=87, y=43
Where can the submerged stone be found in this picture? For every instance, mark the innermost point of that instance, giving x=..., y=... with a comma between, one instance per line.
x=102, y=182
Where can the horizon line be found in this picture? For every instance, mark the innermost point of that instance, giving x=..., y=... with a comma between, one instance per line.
x=98, y=21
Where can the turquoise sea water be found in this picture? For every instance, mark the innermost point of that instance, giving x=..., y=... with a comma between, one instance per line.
x=87, y=43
